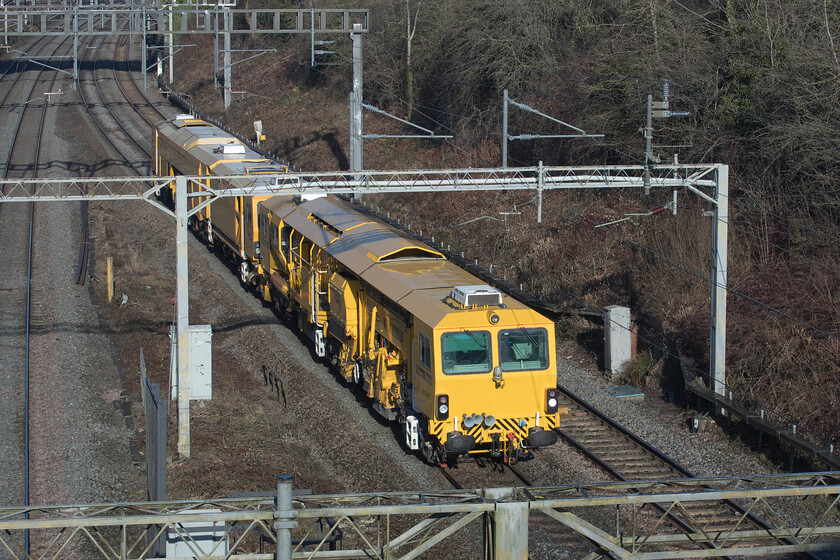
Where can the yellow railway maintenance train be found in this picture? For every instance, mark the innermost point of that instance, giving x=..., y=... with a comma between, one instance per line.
x=466, y=369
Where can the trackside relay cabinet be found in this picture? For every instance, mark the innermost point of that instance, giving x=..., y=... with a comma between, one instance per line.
x=201, y=363
x=617, y=342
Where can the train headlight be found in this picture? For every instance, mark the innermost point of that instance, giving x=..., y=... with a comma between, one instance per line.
x=494, y=319
x=551, y=396
x=257, y=248
x=442, y=409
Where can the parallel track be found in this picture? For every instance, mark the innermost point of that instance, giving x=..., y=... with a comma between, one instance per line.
x=110, y=121
x=123, y=44
x=30, y=158
x=27, y=155
x=84, y=245
x=157, y=115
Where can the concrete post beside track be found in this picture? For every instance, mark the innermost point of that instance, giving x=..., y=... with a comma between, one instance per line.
x=617, y=340
x=720, y=251
x=183, y=323
x=509, y=526
x=284, y=517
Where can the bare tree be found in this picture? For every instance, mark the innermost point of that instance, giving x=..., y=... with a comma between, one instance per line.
x=410, y=30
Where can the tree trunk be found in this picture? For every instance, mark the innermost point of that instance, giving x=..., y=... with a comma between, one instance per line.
x=409, y=74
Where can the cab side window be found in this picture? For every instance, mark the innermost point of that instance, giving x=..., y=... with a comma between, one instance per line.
x=285, y=236
x=425, y=351
x=274, y=243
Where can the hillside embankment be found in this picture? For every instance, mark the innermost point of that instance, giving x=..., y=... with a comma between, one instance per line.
x=760, y=92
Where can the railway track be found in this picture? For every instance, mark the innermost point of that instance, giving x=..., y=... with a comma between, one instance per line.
x=550, y=540
x=134, y=95
x=627, y=457
x=22, y=160
x=131, y=143
x=84, y=244
x=611, y=446
x=31, y=448
x=128, y=140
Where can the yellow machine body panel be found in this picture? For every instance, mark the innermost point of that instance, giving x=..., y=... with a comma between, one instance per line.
x=388, y=302
x=251, y=227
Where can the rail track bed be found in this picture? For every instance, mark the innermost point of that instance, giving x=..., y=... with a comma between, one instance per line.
x=612, y=447
x=547, y=539
x=23, y=130
x=626, y=457
x=65, y=440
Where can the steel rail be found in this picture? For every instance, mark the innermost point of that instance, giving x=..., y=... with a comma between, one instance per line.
x=28, y=321
x=455, y=484
x=89, y=107
x=84, y=249
x=125, y=41
x=15, y=66
x=528, y=483
x=20, y=120
x=655, y=454
x=520, y=475
x=29, y=302
x=516, y=472
x=669, y=462
x=84, y=245
x=30, y=250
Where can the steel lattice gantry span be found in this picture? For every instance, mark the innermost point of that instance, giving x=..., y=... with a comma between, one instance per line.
x=30, y=21
x=79, y=20
x=697, y=178
x=801, y=514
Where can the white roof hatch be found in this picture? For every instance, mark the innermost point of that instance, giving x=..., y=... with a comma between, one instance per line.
x=231, y=149
x=476, y=295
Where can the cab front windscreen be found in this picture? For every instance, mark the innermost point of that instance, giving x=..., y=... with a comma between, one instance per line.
x=466, y=352
x=518, y=349
x=523, y=349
